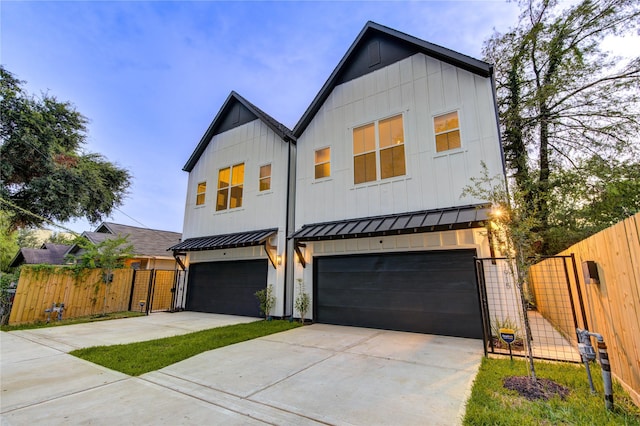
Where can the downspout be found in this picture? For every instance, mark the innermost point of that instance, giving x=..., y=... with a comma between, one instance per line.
x=289, y=264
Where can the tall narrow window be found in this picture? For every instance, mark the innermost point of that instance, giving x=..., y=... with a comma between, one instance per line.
x=323, y=163
x=200, y=193
x=265, y=177
x=378, y=150
x=447, y=129
x=230, y=186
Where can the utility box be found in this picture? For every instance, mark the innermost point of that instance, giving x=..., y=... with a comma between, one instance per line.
x=590, y=272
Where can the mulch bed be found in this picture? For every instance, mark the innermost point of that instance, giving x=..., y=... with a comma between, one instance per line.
x=542, y=389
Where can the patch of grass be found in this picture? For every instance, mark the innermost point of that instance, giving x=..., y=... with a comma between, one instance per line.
x=79, y=320
x=141, y=357
x=492, y=404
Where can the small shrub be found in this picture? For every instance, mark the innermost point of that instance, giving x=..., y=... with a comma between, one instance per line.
x=302, y=300
x=267, y=300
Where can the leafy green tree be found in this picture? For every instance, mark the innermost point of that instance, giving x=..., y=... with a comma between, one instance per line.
x=45, y=175
x=60, y=238
x=561, y=98
x=8, y=241
x=107, y=255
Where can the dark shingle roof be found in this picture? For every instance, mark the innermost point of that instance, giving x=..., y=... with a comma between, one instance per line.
x=146, y=242
x=402, y=223
x=49, y=253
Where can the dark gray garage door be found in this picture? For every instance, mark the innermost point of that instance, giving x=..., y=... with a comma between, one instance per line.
x=430, y=292
x=226, y=287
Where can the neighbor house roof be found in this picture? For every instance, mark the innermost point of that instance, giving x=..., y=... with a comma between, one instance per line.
x=236, y=111
x=385, y=46
x=49, y=253
x=395, y=224
x=146, y=242
x=216, y=242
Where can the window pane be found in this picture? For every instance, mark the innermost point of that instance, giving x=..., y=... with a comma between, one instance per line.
x=265, y=171
x=202, y=187
x=323, y=155
x=369, y=138
x=358, y=140
x=199, y=199
x=442, y=142
x=323, y=170
x=446, y=122
x=391, y=132
x=392, y=162
x=265, y=184
x=237, y=174
x=223, y=195
x=454, y=139
x=200, y=194
x=370, y=167
x=223, y=178
x=236, y=197
x=358, y=169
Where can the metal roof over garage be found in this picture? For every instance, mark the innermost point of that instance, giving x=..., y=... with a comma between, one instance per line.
x=403, y=223
x=216, y=242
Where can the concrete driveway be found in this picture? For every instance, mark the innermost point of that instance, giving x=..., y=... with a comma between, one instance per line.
x=318, y=374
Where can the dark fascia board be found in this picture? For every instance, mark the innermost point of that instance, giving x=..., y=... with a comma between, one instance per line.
x=433, y=50
x=285, y=134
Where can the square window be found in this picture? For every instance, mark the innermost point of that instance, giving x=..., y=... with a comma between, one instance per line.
x=379, y=146
x=447, y=131
x=323, y=163
x=200, y=193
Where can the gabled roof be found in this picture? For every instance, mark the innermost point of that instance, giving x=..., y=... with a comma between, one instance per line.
x=376, y=47
x=396, y=224
x=217, y=242
x=146, y=242
x=236, y=111
x=49, y=253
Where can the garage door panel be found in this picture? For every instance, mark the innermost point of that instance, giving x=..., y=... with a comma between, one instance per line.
x=428, y=292
x=226, y=287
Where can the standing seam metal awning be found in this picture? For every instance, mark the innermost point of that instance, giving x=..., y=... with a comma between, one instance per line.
x=403, y=223
x=217, y=242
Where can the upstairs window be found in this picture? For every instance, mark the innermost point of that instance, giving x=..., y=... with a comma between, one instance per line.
x=447, y=129
x=378, y=150
x=265, y=177
x=323, y=163
x=230, y=186
x=200, y=193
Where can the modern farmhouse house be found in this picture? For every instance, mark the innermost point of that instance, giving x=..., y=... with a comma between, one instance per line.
x=364, y=203
x=237, y=212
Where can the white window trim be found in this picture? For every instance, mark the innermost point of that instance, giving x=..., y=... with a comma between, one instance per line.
x=462, y=147
x=270, y=190
x=228, y=208
x=313, y=171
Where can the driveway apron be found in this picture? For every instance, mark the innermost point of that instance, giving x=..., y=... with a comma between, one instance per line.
x=317, y=374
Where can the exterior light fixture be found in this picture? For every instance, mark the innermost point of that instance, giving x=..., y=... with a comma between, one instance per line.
x=279, y=259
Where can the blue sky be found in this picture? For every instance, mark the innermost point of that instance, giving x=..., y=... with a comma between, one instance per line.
x=150, y=76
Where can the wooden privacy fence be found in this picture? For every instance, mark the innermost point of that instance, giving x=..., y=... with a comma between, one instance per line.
x=82, y=294
x=152, y=288
x=612, y=306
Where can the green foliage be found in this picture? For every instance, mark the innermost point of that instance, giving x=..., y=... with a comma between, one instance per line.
x=8, y=241
x=71, y=321
x=561, y=98
x=45, y=174
x=267, y=300
x=498, y=323
x=302, y=301
x=61, y=238
x=142, y=357
x=492, y=404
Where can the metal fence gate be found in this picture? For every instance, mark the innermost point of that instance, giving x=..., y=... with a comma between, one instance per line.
x=554, y=307
x=152, y=290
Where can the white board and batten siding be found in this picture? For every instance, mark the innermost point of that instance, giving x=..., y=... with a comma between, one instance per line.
x=419, y=88
x=255, y=145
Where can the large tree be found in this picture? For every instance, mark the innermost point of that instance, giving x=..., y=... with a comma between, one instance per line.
x=45, y=174
x=562, y=99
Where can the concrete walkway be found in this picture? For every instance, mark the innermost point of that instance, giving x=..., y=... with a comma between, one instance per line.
x=317, y=374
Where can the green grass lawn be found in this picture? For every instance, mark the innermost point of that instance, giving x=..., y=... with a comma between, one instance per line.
x=492, y=404
x=141, y=357
x=79, y=320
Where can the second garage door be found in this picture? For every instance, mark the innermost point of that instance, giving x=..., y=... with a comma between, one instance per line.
x=430, y=292
x=226, y=287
